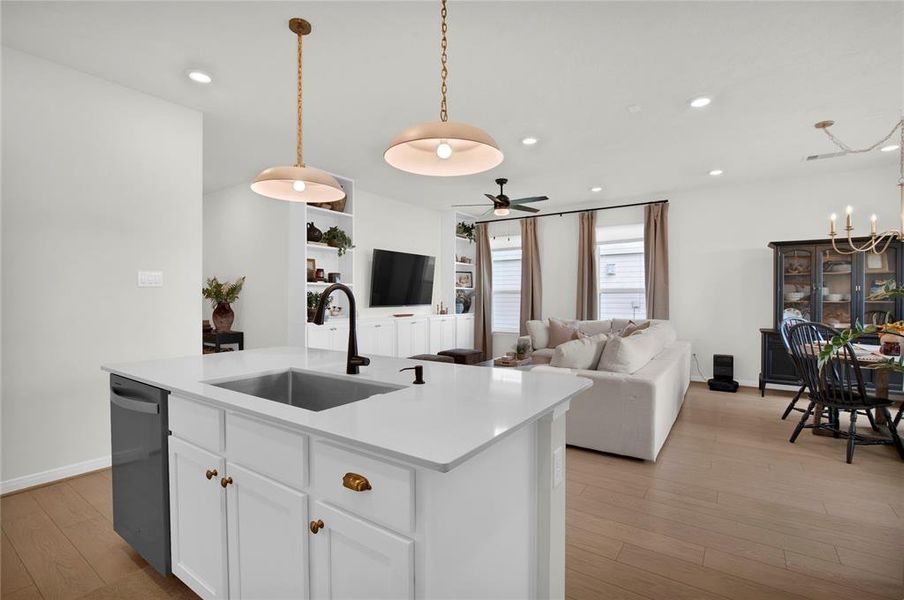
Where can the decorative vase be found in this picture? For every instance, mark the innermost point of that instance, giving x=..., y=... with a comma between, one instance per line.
x=311, y=313
x=223, y=317
x=459, y=307
x=314, y=234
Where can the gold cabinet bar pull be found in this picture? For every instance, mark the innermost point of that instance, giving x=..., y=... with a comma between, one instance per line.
x=225, y=481
x=356, y=483
x=211, y=473
x=316, y=526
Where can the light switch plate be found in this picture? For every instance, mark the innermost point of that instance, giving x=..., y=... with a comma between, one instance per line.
x=558, y=466
x=150, y=278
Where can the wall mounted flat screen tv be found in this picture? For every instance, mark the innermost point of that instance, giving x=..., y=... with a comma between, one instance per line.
x=401, y=279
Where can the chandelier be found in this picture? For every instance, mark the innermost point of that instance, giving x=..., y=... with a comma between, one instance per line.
x=878, y=242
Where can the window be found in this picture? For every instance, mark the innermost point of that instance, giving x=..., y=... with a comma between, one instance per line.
x=506, y=253
x=621, y=272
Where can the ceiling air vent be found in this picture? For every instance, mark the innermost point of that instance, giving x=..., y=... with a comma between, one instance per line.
x=823, y=156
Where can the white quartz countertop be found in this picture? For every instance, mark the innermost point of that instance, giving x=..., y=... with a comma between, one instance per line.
x=460, y=410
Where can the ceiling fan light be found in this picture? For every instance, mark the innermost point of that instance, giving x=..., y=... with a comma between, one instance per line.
x=501, y=212
x=281, y=183
x=416, y=150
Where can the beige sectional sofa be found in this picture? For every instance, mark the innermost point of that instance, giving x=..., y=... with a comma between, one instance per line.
x=638, y=389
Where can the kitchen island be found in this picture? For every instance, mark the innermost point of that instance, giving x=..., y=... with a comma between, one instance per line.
x=280, y=487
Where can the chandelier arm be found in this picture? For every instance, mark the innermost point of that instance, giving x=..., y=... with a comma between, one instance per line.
x=839, y=250
x=866, y=247
x=847, y=149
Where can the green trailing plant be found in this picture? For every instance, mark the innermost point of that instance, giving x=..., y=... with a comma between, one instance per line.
x=314, y=300
x=226, y=291
x=889, y=291
x=466, y=230
x=337, y=238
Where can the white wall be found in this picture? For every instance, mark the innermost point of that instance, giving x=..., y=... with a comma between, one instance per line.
x=99, y=182
x=248, y=234
x=388, y=224
x=721, y=270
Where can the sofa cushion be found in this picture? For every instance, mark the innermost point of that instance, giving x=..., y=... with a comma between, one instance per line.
x=630, y=354
x=595, y=327
x=561, y=331
x=539, y=333
x=542, y=356
x=583, y=353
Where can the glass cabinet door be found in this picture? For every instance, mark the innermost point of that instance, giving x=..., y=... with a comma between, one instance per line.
x=877, y=269
x=796, y=279
x=836, y=288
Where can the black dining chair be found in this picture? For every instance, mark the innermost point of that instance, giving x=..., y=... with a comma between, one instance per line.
x=784, y=328
x=838, y=386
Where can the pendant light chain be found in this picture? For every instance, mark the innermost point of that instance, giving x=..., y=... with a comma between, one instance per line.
x=443, y=109
x=299, y=155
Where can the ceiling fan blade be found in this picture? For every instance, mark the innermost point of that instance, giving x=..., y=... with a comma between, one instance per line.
x=530, y=209
x=461, y=205
x=531, y=199
x=492, y=198
x=487, y=213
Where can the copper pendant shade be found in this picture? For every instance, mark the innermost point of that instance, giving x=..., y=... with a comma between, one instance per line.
x=443, y=148
x=298, y=183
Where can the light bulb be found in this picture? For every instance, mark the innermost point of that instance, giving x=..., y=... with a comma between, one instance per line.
x=501, y=212
x=298, y=185
x=444, y=150
x=199, y=76
x=849, y=209
x=700, y=102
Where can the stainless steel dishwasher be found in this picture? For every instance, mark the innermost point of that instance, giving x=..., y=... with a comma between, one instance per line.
x=139, y=433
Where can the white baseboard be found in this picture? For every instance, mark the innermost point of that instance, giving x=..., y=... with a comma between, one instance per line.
x=19, y=483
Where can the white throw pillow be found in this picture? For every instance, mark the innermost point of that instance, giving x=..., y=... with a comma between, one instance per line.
x=632, y=353
x=583, y=353
x=539, y=333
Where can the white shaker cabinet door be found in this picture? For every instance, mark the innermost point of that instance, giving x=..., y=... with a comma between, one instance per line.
x=464, y=332
x=404, y=338
x=320, y=336
x=367, y=339
x=436, y=336
x=354, y=559
x=420, y=337
x=198, y=518
x=268, y=538
x=385, y=339
x=447, y=334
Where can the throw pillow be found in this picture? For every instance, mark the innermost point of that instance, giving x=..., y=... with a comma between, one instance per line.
x=583, y=353
x=633, y=327
x=630, y=354
x=562, y=331
x=595, y=327
x=539, y=334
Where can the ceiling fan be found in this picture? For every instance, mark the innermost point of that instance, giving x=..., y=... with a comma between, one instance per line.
x=502, y=204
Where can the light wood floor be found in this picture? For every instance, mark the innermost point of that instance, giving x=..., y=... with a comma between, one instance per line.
x=730, y=510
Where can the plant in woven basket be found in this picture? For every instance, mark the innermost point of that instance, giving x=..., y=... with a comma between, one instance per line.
x=221, y=295
x=337, y=238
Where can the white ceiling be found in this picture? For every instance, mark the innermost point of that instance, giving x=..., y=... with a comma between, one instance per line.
x=564, y=72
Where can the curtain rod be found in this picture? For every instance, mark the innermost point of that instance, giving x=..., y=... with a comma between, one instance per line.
x=569, y=212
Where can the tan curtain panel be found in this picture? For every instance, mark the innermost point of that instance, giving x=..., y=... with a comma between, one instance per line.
x=531, y=282
x=483, y=301
x=587, y=308
x=656, y=259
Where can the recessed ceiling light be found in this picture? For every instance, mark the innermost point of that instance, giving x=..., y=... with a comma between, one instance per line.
x=700, y=102
x=890, y=148
x=715, y=172
x=634, y=109
x=529, y=141
x=199, y=76
x=596, y=188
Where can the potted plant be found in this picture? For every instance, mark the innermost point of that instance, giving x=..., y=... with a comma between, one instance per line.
x=313, y=301
x=337, y=238
x=466, y=230
x=221, y=295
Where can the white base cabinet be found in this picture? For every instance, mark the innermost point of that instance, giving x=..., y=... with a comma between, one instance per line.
x=198, y=519
x=271, y=512
x=376, y=338
x=351, y=558
x=399, y=337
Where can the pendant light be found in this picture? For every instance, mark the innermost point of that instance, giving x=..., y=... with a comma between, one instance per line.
x=442, y=148
x=298, y=183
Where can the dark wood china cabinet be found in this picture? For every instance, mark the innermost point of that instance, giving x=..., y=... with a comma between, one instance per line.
x=814, y=282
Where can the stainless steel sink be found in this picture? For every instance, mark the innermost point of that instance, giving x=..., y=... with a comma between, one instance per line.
x=311, y=391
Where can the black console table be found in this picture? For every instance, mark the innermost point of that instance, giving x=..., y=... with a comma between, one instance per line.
x=218, y=338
